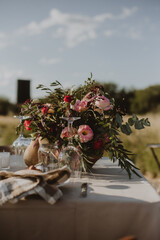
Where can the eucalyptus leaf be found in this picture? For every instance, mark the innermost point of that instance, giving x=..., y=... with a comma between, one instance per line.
x=138, y=125
x=125, y=128
x=131, y=121
x=118, y=119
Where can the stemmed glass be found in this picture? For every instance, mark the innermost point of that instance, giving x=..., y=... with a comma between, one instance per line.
x=70, y=155
x=21, y=143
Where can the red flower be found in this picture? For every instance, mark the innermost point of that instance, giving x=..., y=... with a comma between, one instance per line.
x=98, y=144
x=68, y=98
x=27, y=124
x=106, y=138
x=44, y=109
x=27, y=101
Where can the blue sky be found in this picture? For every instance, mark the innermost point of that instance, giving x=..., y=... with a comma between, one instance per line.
x=117, y=40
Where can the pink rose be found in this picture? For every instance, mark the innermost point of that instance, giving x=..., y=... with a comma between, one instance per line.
x=85, y=133
x=65, y=132
x=80, y=106
x=89, y=97
x=103, y=103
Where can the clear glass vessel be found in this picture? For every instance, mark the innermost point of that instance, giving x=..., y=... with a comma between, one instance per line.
x=48, y=156
x=21, y=143
x=71, y=155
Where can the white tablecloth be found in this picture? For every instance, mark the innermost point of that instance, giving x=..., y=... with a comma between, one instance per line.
x=114, y=207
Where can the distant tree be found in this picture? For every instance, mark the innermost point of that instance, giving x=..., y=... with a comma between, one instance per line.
x=122, y=96
x=145, y=100
x=6, y=107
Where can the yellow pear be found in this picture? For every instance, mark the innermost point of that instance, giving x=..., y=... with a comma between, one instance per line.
x=43, y=140
x=31, y=153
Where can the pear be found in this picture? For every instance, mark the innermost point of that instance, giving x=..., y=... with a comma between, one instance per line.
x=31, y=153
x=43, y=140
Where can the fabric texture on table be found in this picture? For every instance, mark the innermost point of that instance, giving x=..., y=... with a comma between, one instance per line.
x=17, y=185
x=113, y=208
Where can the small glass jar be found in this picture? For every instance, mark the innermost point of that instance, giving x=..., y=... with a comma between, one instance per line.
x=48, y=156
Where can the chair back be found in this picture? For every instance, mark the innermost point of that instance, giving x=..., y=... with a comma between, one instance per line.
x=6, y=148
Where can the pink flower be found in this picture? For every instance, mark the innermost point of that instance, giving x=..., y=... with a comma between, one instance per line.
x=80, y=106
x=85, y=133
x=88, y=97
x=103, y=103
x=65, y=132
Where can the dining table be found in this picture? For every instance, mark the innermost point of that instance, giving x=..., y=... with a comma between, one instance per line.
x=102, y=204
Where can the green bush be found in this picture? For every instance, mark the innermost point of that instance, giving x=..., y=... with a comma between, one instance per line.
x=6, y=107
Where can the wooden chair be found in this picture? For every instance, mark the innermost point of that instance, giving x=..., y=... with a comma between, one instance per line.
x=153, y=147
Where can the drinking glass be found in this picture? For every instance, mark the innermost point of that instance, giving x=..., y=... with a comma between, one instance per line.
x=21, y=143
x=48, y=156
x=71, y=155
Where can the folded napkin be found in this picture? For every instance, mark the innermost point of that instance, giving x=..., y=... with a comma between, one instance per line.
x=16, y=185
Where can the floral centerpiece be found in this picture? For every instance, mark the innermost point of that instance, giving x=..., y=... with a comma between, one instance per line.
x=97, y=130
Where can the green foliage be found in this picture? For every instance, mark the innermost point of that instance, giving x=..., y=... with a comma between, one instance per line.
x=6, y=107
x=98, y=111
x=145, y=100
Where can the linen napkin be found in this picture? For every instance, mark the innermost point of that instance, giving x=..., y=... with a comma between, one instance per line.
x=16, y=185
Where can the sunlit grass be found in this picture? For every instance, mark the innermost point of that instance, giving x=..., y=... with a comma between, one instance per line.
x=8, y=129
x=137, y=144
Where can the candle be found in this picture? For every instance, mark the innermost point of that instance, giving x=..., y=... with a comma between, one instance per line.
x=0, y=162
x=5, y=160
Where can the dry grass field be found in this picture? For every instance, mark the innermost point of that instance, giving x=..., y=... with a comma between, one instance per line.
x=7, y=129
x=137, y=143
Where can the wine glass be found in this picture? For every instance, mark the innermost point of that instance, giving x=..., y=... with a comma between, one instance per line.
x=21, y=143
x=70, y=155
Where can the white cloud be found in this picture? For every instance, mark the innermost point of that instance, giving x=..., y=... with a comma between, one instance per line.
x=8, y=75
x=6, y=40
x=2, y=35
x=127, y=12
x=72, y=28
x=26, y=48
x=8, y=84
x=109, y=33
x=49, y=61
x=134, y=34
x=3, y=40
